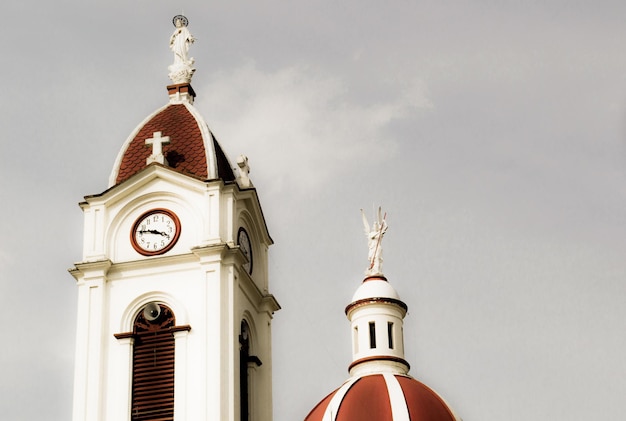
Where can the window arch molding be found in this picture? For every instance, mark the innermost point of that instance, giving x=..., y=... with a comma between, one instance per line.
x=253, y=341
x=245, y=219
x=132, y=310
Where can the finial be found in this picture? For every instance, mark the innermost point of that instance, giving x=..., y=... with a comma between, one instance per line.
x=374, y=239
x=182, y=69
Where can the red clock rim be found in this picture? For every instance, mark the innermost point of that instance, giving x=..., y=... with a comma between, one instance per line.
x=143, y=252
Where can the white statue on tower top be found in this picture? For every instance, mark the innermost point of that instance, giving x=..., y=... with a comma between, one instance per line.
x=182, y=69
x=374, y=239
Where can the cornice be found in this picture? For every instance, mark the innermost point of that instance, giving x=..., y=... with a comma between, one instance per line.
x=89, y=270
x=376, y=300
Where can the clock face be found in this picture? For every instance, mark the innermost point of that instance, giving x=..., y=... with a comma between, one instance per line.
x=155, y=232
x=246, y=248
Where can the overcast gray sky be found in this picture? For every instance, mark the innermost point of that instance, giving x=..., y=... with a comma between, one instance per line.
x=492, y=132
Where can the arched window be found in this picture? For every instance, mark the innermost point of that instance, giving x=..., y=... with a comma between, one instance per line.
x=244, y=378
x=247, y=363
x=153, y=364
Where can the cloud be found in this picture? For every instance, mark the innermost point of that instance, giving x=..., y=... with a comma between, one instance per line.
x=302, y=123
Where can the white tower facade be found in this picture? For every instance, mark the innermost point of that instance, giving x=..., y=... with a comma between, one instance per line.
x=174, y=308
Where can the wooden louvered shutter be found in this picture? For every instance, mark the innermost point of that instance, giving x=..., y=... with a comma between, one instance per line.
x=153, y=368
x=244, y=386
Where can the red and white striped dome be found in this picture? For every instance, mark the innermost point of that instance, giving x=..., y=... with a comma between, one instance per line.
x=382, y=397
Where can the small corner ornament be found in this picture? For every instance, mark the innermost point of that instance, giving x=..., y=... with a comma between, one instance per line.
x=182, y=69
x=244, y=172
x=375, y=235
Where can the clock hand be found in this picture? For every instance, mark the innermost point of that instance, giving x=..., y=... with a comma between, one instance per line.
x=150, y=232
x=155, y=232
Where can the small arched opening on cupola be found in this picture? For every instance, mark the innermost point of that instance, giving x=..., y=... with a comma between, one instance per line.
x=372, y=327
x=390, y=334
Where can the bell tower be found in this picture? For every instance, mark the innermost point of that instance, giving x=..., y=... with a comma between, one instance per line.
x=174, y=308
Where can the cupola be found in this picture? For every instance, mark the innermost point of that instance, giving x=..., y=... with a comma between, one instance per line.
x=376, y=315
x=379, y=387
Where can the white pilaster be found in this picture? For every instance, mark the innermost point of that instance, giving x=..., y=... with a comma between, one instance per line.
x=88, y=374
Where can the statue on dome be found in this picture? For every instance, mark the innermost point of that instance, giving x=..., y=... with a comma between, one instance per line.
x=375, y=235
x=181, y=70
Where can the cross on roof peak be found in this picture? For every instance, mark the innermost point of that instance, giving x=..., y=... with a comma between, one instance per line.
x=157, y=141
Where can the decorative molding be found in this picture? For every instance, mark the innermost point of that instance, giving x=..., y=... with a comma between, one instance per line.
x=173, y=329
x=380, y=358
x=255, y=360
x=375, y=278
x=376, y=300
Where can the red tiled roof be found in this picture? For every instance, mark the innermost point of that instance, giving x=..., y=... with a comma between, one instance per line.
x=185, y=152
x=369, y=399
x=318, y=412
x=423, y=403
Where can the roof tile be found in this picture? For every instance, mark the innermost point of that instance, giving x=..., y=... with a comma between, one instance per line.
x=185, y=152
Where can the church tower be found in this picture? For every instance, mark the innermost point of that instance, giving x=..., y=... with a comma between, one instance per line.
x=174, y=308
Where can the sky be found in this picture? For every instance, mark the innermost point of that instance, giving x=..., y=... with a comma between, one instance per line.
x=493, y=134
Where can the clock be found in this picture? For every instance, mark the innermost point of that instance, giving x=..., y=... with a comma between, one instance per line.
x=155, y=232
x=243, y=240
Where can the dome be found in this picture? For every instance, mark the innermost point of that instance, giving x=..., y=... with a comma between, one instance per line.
x=375, y=287
x=185, y=142
x=382, y=397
